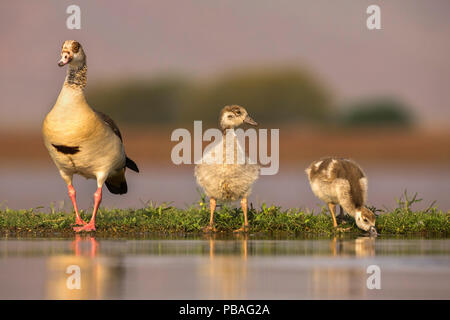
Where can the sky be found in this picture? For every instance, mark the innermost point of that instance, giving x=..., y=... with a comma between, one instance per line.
x=407, y=58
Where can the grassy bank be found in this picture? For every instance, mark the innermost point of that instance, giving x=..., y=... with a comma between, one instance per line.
x=268, y=220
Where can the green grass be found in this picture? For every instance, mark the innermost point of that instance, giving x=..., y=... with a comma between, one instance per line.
x=267, y=220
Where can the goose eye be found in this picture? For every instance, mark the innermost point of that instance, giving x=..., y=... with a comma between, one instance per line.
x=238, y=113
x=365, y=220
x=230, y=117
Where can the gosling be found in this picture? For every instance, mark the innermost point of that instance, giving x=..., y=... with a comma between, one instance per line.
x=342, y=182
x=222, y=180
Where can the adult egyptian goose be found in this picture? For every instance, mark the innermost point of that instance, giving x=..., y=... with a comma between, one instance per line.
x=342, y=182
x=81, y=140
x=227, y=179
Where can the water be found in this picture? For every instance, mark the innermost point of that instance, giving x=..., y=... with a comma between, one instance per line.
x=238, y=267
x=31, y=187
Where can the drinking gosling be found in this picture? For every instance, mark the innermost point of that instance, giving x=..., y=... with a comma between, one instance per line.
x=228, y=181
x=341, y=181
x=83, y=141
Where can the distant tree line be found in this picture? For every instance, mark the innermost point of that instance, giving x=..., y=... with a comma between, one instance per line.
x=376, y=112
x=272, y=96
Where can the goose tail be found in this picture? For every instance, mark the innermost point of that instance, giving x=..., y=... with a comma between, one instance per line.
x=117, y=184
x=131, y=165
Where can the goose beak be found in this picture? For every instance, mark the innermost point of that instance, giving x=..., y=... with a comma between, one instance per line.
x=373, y=231
x=65, y=59
x=250, y=121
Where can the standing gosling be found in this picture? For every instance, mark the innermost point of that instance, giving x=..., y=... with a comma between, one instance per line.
x=83, y=141
x=228, y=181
x=341, y=181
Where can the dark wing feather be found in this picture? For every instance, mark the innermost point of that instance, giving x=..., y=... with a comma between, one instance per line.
x=129, y=163
x=121, y=188
x=117, y=184
x=350, y=171
x=110, y=123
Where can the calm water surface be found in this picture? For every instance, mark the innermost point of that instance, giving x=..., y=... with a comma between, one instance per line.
x=239, y=267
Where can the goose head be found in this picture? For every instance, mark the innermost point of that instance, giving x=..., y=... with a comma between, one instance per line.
x=72, y=53
x=233, y=116
x=365, y=220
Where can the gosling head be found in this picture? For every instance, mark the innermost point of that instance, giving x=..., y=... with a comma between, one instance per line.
x=233, y=116
x=365, y=220
x=72, y=53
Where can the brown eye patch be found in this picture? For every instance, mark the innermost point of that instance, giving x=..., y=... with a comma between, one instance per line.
x=236, y=110
x=75, y=46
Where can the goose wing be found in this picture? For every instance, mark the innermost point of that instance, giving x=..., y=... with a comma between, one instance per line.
x=110, y=122
x=113, y=126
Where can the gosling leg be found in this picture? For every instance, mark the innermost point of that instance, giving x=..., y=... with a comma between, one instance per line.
x=340, y=218
x=244, y=228
x=332, y=208
x=212, y=208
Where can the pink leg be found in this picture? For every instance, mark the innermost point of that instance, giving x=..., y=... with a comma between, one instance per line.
x=91, y=225
x=72, y=195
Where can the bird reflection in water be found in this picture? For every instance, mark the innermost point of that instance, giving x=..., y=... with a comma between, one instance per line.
x=99, y=276
x=336, y=280
x=93, y=245
x=359, y=247
x=226, y=274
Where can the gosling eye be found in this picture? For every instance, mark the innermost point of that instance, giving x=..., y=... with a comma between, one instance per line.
x=230, y=117
x=365, y=220
x=238, y=113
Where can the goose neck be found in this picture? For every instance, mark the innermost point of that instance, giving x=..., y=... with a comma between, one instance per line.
x=76, y=77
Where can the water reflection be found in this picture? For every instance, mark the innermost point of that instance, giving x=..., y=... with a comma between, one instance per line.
x=99, y=278
x=359, y=247
x=79, y=241
x=223, y=267
x=335, y=282
x=226, y=275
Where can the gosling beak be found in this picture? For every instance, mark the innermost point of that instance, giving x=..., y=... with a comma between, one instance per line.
x=250, y=121
x=373, y=231
x=65, y=59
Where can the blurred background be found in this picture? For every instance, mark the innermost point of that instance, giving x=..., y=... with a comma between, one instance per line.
x=310, y=68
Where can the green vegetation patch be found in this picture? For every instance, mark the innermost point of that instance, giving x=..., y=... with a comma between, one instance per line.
x=384, y=112
x=264, y=220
